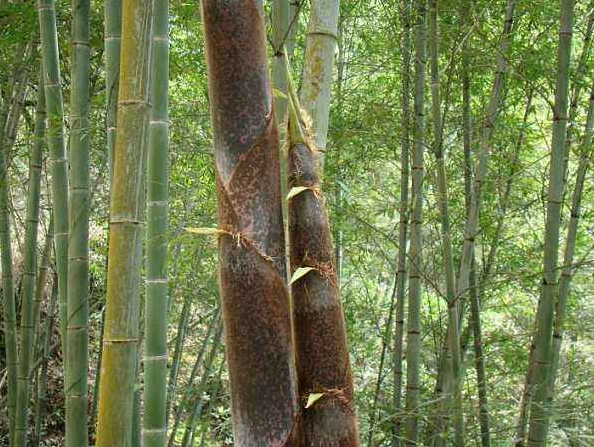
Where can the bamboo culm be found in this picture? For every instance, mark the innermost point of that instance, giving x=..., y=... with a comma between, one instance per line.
x=41, y=404
x=121, y=338
x=77, y=360
x=403, y=226
x=572, y=232
x=539, y=412
x=154, y=433
x=52, y=81
x=316, y=87
x=113, y=41
x=442, y=203
x=30, y=270
x=413, y=339
x=255, y=300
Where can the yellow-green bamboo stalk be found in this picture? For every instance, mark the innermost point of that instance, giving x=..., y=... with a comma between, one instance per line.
x=120, y=342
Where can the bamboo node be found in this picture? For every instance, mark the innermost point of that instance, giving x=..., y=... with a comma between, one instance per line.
x=155, y=358
x=120, y=340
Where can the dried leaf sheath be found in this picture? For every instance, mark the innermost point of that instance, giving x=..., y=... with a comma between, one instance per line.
x=323, y=364
x=254, y=296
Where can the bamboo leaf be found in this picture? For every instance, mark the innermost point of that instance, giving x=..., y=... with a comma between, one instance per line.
x=313, y=398
x=278, y=94
x=296, y=190
x=300, y=273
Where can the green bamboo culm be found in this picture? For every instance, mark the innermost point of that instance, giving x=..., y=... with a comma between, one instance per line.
x=120, y=342
x=29, y=274
x=7, y=285
x=44, y=337
x=154, y=433
x=570, y=246
x=113, y=38
x=59, y=164
x=413, y=342
x=78, y=249
x=403, y=225
x=446, y=239
x=539, y=411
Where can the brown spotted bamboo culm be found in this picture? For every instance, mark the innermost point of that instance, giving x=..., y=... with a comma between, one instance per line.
x=323, y=364
x=255, y=301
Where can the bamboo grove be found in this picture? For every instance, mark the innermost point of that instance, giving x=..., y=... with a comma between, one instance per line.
x=294, y=223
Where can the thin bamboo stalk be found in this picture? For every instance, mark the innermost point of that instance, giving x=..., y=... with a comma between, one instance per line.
x=154, y=431
x=113, y=40
x=199, y=401
x=42, y=273
x=30, y=267
x=46, y=356
x=59, y=162
x=77, y=361
x=403, y=225
x=479, y=359
x=8, y=286
x=177, y=352
x=120, y=342
x=215, y=323
x=443, y=206
x=570, y=245
x=539, y=412
x=413, y=341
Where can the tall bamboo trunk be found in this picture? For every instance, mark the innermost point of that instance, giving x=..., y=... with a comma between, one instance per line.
x=78, y=248
x=59, y=163
x=29, y=274
x=41, y=280
x=403, y=226
x=113, y=39
x=479, y=359
x=8, y=284
x=120, y=342
x=572, y=232
x=255, y=303
x=318, y=67
x=281, y=24
x=413, y=340
x=539, y=412
x=446, y=240
x=155, y=360
x=323, y=365
x=41, y=403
